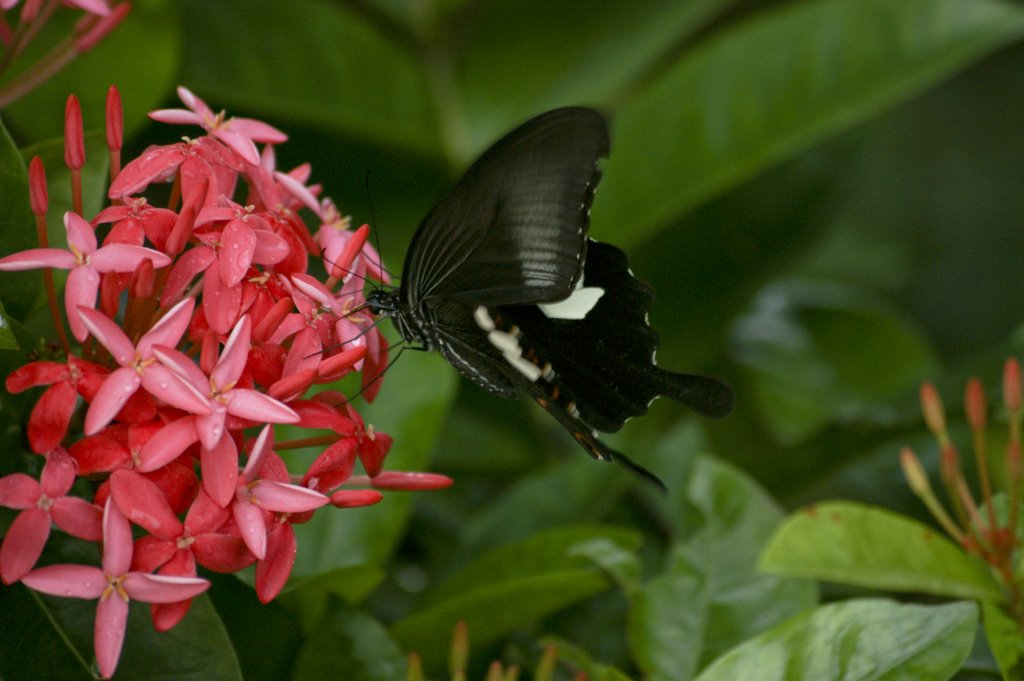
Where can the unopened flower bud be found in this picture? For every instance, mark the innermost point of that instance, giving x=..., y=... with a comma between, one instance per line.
x=914, y=472
x=1011, y=385
x=74, y=135
x=931, y=407
x=38, y=194
x=974, y=403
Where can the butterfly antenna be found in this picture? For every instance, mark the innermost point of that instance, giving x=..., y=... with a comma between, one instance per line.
x=380, y=375
x=347, y=271
x=356, y=337
x=373, y=221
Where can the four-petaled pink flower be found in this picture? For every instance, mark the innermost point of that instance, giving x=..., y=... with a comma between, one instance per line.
x=42, y=503
x=138, y=365
x=255, y=496
x=240, y=134
x=114, y=585
x=220, y=389
x=85, y=261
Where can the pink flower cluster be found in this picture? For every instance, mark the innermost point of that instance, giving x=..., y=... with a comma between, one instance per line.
x=199, y=326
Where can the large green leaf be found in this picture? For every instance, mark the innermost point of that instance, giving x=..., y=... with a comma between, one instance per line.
x=710, y=597
x=557, y=549
x=766, y=88
x=513, y=586
x=409, y=407
x=319, y=63
x=861, y=545
x=557, y=53
x=863, y=640
x=1005, y=639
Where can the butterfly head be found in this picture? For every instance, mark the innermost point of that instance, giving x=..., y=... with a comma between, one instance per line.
x=382, y=302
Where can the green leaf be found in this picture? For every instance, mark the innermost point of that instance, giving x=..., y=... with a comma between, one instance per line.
x=349, y=644
x=817, y=352
x=351, y=584
x=1004, y=639
x=553, y=550
x=410, y=407
x=573, y=57
x=18, y=290
x=247, y=619
x=347, y=77
x=576, y=488
x=513, y=586
x=7, y=339
x=54, y=641
x=723, y=112
x=855, y=544
x=710, y=597
x=862, y=640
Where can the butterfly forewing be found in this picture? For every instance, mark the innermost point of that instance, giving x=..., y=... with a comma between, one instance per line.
x=513, y=230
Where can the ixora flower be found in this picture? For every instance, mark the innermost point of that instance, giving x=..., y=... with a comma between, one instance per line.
x=199, y=326
x=86, y=261
x=113, y=585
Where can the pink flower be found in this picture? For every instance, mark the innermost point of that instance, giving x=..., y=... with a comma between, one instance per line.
x=172, y=547
x=42, y=503
x=240, y=134
x=208, y=170
x=220, y=391
x=222, y=398
x=255, y=496
x=48, y=423
x=138, y=365
x=137, y=215
x=114, y=585
x=85, y=261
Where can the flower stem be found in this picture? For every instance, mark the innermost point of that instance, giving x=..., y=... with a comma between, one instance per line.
x=51, y=292
x=301, y=443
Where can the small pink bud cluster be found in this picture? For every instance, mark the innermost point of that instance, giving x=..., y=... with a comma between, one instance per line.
x=978, y=527
x=198, y=327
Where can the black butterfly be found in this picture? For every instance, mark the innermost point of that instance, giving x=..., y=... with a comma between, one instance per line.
x=502, y=279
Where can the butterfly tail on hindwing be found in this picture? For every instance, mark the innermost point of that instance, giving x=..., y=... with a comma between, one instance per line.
x=704, y=395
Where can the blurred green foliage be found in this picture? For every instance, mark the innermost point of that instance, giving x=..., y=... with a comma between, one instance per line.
x=826, y=197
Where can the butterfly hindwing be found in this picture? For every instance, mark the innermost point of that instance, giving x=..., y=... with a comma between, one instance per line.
x=604, y=361
x=513, y=230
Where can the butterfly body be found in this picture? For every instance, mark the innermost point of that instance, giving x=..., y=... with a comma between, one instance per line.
x=502, y=279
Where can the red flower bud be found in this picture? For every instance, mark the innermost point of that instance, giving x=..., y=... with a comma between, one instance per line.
x=115, y=119
x=38, y=194
x=1011, y=385
x=974, y=402
x=74, y=136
